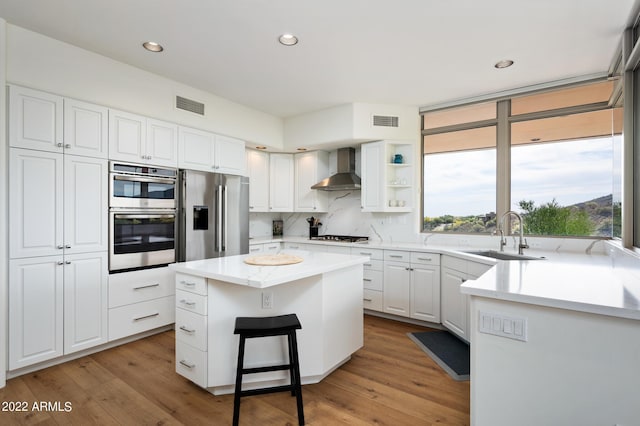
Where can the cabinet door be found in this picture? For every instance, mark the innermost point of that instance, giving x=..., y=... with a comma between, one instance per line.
x=229, y=156
x=35, y=120
x=162, y=143
x=281, y=182
x=85, y=204
x=425, y=293
x=258, y=171
x=310, y=168
x=195, y=149
x=454, y=303
x=127, y=136
x=397, y=278
x=35, y=310
x=35, y=203
x=85, y=129
x=372, y=191
x=85, y=301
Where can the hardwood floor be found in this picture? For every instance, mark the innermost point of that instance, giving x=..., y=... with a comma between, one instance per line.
x=390, y=381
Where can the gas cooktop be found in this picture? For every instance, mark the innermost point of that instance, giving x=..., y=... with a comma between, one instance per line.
x=340, y=238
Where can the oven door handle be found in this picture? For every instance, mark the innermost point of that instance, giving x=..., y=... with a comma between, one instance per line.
x=143, y=179
x=144, y=216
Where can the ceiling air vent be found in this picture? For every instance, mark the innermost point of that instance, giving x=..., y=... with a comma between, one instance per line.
x=189, y=105
x=385, y=120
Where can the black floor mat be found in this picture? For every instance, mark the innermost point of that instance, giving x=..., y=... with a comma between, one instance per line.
x=449, y=352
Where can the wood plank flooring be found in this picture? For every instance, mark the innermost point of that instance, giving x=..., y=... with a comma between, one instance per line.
x=390, y=381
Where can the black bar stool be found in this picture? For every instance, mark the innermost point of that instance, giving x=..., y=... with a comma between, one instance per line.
x=283, y=325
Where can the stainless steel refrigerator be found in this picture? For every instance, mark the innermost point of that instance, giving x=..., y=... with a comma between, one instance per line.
x=213, y=215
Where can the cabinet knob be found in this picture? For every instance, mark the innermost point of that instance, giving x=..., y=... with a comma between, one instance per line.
x=61, y=263
x=67, y=146
x=59, y=144
x=60, y=247
x=67, y=246
x=68, y=262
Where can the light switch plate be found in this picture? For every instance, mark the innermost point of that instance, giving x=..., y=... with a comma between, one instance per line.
x=503, y=325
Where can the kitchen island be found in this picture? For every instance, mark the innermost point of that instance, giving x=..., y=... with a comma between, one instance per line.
x=324, y=291
x=555, y=342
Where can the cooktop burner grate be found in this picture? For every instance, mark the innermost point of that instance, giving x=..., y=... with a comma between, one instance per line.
x=341, y=238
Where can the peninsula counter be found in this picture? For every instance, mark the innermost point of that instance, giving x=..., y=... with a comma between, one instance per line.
x=324, y=291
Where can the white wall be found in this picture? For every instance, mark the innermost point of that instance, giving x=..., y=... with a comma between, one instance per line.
x=50, y=65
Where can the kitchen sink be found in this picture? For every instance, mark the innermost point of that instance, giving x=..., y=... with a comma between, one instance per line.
x=503, y=256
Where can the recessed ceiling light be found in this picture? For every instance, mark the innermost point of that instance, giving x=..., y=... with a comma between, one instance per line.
x=288, y=39
x=152, y=46
x=504, y=64
x=261, y=147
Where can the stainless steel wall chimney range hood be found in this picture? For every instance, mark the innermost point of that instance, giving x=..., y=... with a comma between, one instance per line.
x=346, y=179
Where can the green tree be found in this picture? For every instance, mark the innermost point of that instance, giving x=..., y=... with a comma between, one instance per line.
x=553, y=219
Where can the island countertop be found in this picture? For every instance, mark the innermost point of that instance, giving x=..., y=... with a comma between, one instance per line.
x=233, y=269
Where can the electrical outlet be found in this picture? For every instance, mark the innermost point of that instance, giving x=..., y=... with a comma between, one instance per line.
x=267, y=300
x=503, y=325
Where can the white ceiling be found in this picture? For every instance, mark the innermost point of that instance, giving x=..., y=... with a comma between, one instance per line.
x=408, y=52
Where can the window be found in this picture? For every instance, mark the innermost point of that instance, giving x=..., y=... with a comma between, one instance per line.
x=559, y=158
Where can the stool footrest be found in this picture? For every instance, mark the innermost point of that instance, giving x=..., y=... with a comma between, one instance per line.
x=261, y=391
x=265, y=369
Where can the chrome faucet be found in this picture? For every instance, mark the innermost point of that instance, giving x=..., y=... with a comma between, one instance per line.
x=522, y=243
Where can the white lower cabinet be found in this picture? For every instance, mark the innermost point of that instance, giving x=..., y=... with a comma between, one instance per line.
x=454, y=304
x=412, y=285
x=372, y=277
x=140, y=301
x=191, y=328
x=57, y=306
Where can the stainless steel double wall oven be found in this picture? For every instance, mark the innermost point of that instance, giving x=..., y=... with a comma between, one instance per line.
x=142, y=216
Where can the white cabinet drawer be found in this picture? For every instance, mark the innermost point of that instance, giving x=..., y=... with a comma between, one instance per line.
x=126, y=288
x=397, y=256
x=256, y=248
x=373, y=280
x=374, y=254
x=272, y=247
x=425, y=258
x=375, y=265
x=191, y=302
x=191, y=283
x=138, y=317
x=191, y=363
x=191, y=328
x=372, y=300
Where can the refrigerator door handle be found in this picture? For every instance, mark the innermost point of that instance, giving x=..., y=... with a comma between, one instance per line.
x=219, y=208
x=224, y=219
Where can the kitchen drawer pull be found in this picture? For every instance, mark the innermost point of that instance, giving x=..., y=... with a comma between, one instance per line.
x=188, y=283
x=396, y=256
x=189, y=365
x=147, y=286
x=368, y=300
x=368, y=264
x=188, y=303
x=365, y=253
x=428, y=259
x=367, y=279
x=147, y=316
x=187, y=330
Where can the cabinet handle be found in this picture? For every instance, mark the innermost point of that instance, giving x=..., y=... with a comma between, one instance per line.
x=188, y=303
x=187, y=364
x=67, y=262
x=367, y=279
x=187, y=283
x=59, y=144
x=368, y=264
x=60, y=247
x=67, y=246
x=187, y=330
x=250, y=207
x=365, y=253
x=395, y=256
x=428, y=259
x=147, y=316
x=147, y=286
x=67, y=146
x=61, y=263
x=368, y=300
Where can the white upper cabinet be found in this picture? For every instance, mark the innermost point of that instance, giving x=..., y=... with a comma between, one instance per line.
x=206, y=151
x=387, y=176
x=281, y=182
x=85, y=129
x=138, y=139
x=35, y=119
x=310, y=168
x=258, y=171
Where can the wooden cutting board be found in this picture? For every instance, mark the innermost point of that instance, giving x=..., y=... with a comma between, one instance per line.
x=273, y=259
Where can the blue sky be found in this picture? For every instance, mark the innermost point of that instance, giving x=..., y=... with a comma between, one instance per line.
x=463, y=183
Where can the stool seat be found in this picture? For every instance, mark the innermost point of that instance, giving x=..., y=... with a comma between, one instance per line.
x=266, y=326
x=282, y=325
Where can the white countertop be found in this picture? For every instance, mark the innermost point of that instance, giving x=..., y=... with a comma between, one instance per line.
x=233, y=270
